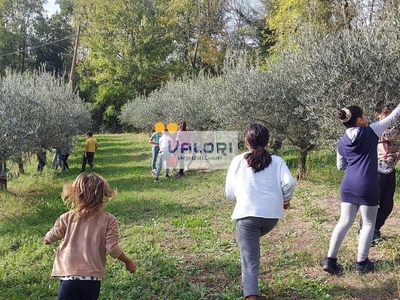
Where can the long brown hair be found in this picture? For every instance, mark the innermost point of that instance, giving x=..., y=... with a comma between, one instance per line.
x=257, y=137
x=182, y=126
x=88, y=194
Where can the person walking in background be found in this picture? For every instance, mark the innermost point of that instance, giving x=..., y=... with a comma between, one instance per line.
x=359, y=189
x=388, y=153
x=88, y=233
x=56, y=162
x=42, y=159
x=90, y=148
x=166, y=145
x=65, y=146
x=181, y=137
x=154, y=139
x=262, y=186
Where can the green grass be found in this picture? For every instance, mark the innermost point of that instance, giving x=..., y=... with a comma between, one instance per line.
x=180, y=233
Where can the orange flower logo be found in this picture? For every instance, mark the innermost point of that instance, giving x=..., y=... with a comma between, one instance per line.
x=160, y=127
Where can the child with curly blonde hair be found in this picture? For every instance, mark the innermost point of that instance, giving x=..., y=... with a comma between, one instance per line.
x=88, y=233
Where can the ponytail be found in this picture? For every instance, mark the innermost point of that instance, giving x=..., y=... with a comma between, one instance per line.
x=258, y=159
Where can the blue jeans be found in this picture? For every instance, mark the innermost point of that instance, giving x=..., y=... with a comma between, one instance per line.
x=154, y=153
x=249, y=231
x=79, y=289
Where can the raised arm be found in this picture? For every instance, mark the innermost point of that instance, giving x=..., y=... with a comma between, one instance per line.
x=380, y=126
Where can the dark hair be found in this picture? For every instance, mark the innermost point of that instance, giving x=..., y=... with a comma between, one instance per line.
x=182, y=126
x=257, y=137
x=389, y=106
x=380, y=107
x=89, y=133
x=350, y=120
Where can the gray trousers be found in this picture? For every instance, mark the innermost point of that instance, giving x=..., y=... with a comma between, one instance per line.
x=249, y=231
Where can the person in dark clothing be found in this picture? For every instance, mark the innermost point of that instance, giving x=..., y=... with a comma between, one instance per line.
x=388, y=150
x=42, y=160
x=66, y=146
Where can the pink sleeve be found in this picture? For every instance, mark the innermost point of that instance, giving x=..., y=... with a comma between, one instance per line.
x=58, y=231
x=112, y=237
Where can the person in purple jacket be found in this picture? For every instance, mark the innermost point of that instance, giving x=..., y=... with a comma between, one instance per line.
x=359, y=189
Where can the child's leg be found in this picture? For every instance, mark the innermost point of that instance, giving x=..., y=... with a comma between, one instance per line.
x=181, y=165
x=54, y=162
x=347, y=215
x=66, y=162
x=159, y=163
x=154, y=153
x=84, y=161
x=166, y=157
x=249, y=230
x=368, y=215
x=387, y=187
x=90, y=156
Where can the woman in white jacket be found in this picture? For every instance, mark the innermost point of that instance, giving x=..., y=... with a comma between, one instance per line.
x=262, y=186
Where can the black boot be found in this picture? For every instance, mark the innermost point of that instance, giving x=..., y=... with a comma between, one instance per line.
x=331, y=266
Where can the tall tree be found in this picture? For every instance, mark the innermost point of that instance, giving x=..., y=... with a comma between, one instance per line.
x=125, y=52
x=285, y=18
x=18, y=18
x=247, y=28
x=199, y=33
x=66, y=7
x=52, y=44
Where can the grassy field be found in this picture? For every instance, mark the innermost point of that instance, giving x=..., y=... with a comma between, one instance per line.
x=180, y=233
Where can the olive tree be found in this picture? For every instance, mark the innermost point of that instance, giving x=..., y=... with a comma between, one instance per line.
x=301, y=90
x=182, y=99
x=325, y=73
x=36, y=110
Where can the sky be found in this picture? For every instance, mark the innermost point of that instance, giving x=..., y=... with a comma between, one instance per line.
x=51, y=7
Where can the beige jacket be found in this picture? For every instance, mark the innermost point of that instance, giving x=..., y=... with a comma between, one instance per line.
x=86, y=241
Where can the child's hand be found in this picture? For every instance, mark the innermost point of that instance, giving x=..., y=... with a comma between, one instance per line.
x=286, y=205
x=131, y=266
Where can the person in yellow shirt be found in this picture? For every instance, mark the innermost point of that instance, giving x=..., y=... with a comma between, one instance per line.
x=90, y=149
